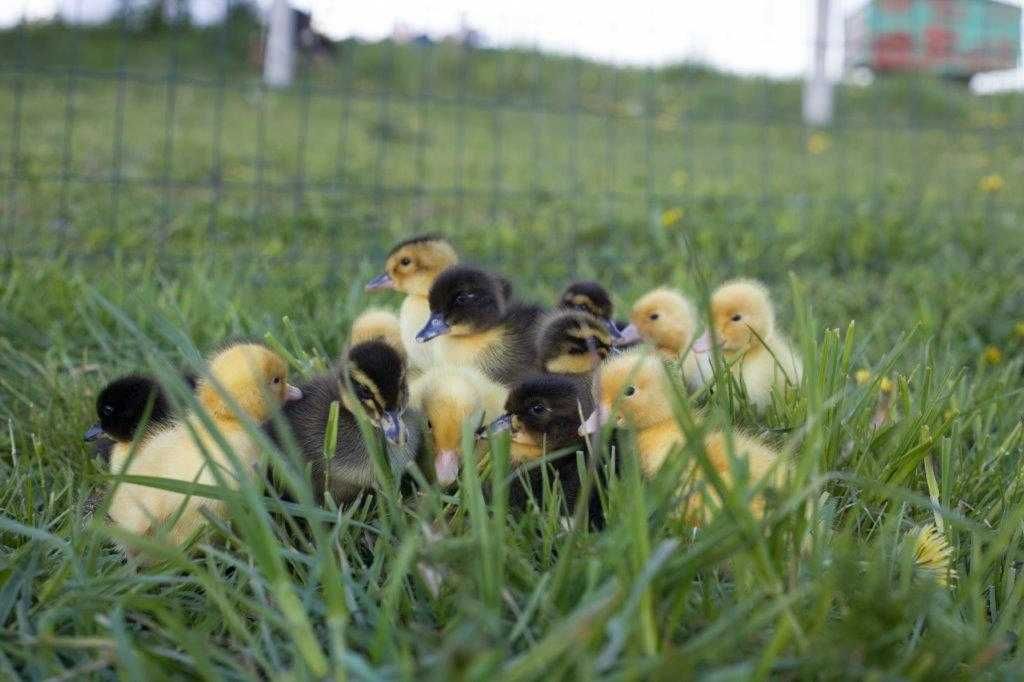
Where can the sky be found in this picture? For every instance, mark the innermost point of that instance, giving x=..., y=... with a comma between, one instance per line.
x=763, y=37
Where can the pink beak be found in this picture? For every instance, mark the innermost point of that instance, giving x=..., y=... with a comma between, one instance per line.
x=292, y=393
x=446, y=465
x=703, y=344
x=595, y=421
x=629, y=335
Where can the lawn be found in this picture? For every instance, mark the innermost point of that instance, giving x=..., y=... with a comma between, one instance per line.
x=157, y=200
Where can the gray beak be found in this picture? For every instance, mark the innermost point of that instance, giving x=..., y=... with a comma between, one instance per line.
x=93, y=433
x=391, y=424
x=383, y=281
x=434, y=327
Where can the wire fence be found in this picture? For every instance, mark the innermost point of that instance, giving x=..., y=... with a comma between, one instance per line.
x=147, y=136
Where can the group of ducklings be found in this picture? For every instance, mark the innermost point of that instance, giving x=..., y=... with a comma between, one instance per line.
x=460, y=348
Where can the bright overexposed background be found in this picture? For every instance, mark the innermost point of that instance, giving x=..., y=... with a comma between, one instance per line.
x=756, y=37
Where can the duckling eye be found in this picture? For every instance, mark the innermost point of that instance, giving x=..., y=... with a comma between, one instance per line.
x=630, y=390
x=655, y=316
x=277, y=380
x=108, y=410
x=362, y=392
x=465, y=297
x=737, y=317
x=405, y=261
x=538, y=409
x=430, y=425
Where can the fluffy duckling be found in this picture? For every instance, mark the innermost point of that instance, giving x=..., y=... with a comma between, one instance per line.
x=572, y=342
x=591, y=297
x=372, y=377
x=120, y=408
x=667, y=320
x=449, y=395
x=743, y=327
x=411, y=268
x=244, y=382
x=634, y=392
x=543, y=416
x=477, y=324
x=377, y=324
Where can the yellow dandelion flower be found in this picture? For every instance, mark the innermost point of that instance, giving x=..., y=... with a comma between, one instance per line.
x=885, y=385
x=862, y=376
x=990, y=184
x=992, y=355
x=679, y=179
x=1018, y=331
x=933, y=555
x=818, y=143
x=671, y=217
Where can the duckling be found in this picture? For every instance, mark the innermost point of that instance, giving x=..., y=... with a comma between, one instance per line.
x=743, y=327
x=667, y=320
x=591, y=297
x=477, y=324
x=373, y=377
x=572, y=342
x=448, y=395
x=543, y=415
x=634, y=392
x=120, y=409
x=377, y=324
x=248, y=377
x=411, y=268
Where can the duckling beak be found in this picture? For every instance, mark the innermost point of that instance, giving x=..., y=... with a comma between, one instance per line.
x=703, y=344
x=382, y=281
x=502, y=423
x=93, y=433
x=391, y=424
x=613, y=330
x=628, y=336
x=595, y=421
x=434, y=327
x=446, y=467
x=292, y=393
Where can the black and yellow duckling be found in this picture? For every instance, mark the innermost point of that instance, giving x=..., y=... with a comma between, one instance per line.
x=572, y=342
x=591, y=297
x=475, y=323
x=373, y=377
x=543, y=417
x=121, y=407
x=411, y=268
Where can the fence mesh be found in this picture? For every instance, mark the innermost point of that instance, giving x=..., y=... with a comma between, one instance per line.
x=148, y=137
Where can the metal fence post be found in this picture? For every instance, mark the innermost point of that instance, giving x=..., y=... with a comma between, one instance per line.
x=817, y=89
x=279, y=55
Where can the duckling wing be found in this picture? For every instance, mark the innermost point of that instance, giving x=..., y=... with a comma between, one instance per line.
x=515, y=357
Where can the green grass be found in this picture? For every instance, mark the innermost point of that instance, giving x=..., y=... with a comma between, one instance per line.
x=566, y=168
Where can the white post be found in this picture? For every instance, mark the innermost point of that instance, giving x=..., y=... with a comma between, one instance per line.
x=817, y=88
x=279, y=55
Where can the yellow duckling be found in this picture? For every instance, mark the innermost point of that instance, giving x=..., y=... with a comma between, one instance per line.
x=411, y=267
x=635, y=392
x=377, y=324
x=448, y=395
x=667, y=320
x=251, y=376
x=743, y=327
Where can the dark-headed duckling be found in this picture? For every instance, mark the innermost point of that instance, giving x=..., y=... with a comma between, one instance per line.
x=476, y=324
x=373, y=377
x=123, y=404
x=543, y=416
x=411, y=268
x=572, y=342
x=591, y=297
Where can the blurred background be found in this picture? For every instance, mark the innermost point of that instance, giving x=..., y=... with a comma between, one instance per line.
x=827, y=134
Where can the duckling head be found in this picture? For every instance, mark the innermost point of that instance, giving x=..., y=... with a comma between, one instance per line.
x=632, y=390
x=449, y=399
x=664, y=318
x=252, y=376
x=122, y=405
x=741, y=316
x=375, y=374
x=542, y=412
x=572, y=342
x=413, y=265
x=590, y=297
x=377, y=324
x=464, y=300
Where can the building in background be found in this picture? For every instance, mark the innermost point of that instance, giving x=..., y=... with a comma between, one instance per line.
x=952, y=38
